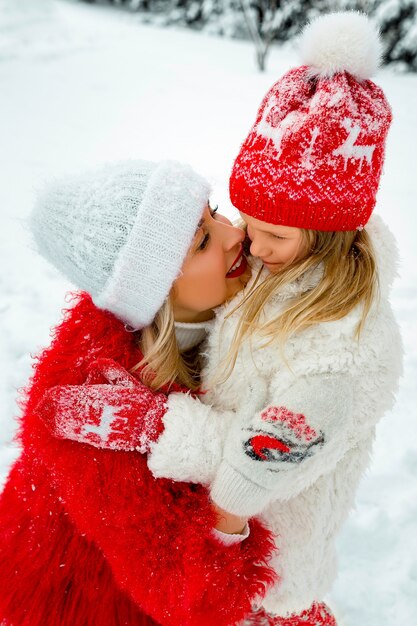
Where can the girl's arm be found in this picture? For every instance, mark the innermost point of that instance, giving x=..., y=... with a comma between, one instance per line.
x=288, y=445
x=88, y=335
x=111, y=409
x=228, y=523
x=190, y=448
x=272, y=453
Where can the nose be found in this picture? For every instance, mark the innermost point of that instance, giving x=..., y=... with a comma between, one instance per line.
x=231, y=235
x=258, y=247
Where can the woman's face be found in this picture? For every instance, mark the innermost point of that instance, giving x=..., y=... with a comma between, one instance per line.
x=276, y=246
x=207, y=279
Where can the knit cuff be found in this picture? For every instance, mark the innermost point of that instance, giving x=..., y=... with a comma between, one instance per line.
x=237, y=494
x=230, y=539
x=165, y=223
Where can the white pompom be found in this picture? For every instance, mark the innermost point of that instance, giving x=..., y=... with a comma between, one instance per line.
x=346, y=41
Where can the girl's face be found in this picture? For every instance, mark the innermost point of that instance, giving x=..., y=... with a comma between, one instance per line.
x=207, y=279
x=276, y=246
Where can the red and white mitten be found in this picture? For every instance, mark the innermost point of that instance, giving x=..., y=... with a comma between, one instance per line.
x=112, y=409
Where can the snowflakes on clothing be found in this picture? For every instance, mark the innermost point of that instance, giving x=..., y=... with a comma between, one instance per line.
x=119, y=414
x=97, y=518
x=318, y=615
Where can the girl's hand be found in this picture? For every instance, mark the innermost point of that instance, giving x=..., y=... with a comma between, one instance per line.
x=229, y=523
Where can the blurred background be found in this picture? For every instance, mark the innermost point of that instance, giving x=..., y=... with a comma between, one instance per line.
x=268, y=21
x=87, y=82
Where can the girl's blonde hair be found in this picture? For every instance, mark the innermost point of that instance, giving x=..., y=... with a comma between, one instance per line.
x=162, y=362
x=349, y=278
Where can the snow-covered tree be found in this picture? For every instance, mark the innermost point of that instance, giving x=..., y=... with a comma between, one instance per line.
x=280, y=20
x=397, y=20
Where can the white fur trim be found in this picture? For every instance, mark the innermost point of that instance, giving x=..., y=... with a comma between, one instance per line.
x=345, y=41
x=190, y=448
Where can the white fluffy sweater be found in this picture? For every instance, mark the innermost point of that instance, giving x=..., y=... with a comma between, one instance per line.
x=340, y=386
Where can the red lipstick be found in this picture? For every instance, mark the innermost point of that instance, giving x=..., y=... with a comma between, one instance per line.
x=241, y=263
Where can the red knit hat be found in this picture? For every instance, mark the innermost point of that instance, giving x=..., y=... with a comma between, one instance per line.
x=314, y=156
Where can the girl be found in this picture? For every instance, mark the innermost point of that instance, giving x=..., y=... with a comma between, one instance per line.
x=89, y=536
x=307, y=359
x=313, y=350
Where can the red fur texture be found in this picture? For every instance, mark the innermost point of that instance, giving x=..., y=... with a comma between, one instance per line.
x=318, y=614
x=49, y=573
x=89, y=537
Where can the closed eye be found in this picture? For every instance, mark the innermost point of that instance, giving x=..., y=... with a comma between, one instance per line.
x=206, y=238
x=204, y=242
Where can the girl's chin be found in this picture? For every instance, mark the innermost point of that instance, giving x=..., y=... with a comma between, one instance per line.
x=274, y=268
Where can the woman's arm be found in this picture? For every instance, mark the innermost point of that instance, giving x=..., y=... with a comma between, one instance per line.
x=157, y=536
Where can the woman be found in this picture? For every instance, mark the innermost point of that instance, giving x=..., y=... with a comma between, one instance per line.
x=89, y=536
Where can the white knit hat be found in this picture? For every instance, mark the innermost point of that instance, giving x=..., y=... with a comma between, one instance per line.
x=121, y=232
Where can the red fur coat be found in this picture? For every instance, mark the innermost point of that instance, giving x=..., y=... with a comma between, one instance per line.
x=88, y=537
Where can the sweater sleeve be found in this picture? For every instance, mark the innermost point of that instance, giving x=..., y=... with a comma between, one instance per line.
x=191, y=445
x=285, y=447
x=230, y=539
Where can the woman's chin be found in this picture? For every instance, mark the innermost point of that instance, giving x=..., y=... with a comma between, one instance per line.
x=245, y=278
x=239, y=283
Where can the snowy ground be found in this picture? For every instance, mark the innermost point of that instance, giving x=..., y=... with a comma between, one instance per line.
x=80, y=85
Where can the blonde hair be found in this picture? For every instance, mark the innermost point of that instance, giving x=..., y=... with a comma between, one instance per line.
x=163, y=363
x=349, y=278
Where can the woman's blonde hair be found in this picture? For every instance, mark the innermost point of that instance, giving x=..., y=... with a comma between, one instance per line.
x=349, y=278
x=163, y=363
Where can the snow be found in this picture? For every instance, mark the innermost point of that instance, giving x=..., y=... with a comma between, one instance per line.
x=82, y=85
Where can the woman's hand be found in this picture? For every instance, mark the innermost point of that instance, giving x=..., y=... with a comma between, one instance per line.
x=229, y=523
x=112, y=410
